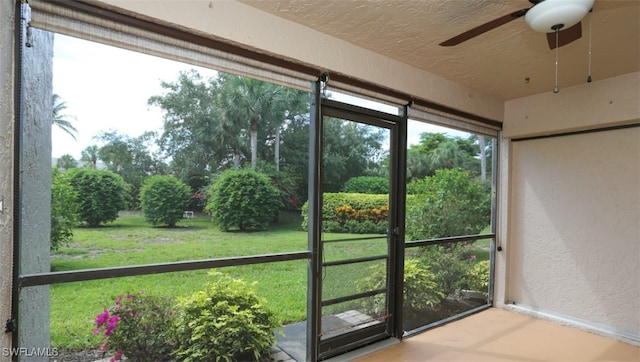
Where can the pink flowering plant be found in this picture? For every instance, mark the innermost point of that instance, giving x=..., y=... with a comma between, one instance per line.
x=138, y=326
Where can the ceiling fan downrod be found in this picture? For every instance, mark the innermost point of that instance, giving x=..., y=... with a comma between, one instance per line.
x=557, y=28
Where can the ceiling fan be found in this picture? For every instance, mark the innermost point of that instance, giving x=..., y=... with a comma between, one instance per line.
x=560, y=19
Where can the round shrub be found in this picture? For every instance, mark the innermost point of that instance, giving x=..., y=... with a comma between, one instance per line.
x=63, y=209
x=367, y=185
x=244, y=199
x=225, y=322
x=163, y=200
x=101, y=195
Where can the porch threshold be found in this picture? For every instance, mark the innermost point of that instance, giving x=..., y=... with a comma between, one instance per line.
x=365, y=351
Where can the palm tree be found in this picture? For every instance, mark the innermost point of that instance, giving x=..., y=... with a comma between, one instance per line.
x=62, y=120
x=447, y=155
x=248, y=102
x=89, y=157
x=417, y=163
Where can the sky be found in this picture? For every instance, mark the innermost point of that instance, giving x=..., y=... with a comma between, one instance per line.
x=107, y=88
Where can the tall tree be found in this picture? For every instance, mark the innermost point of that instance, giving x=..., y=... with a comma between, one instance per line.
x=448, y=152
x=214, y=124
x=131, y=158
x=194, y=137
x=66, y=162
x=60, y=119
x=417, y=164
x=89, y=157
x=251, y=103
x=350, y=149
x=115, y=153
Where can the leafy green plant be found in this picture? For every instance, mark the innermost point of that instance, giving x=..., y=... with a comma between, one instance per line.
x=138, y=326
x=244, y=199
x=225, y=322
x=367, y=185
x=451, y=265
x=479, y=278
x=450, y=203
x=63, y=209
x=101, y=195
x=421, y=291
x=163, y=200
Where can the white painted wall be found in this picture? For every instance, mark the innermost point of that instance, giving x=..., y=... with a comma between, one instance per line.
x=6, y=167
x=570, y=208
x=604, y=102
x=575, y=230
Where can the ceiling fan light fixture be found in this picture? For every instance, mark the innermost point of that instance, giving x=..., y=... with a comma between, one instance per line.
x=549, y=15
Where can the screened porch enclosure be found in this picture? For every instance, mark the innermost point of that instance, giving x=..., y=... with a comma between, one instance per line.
x=525, y=204
x=361, y=247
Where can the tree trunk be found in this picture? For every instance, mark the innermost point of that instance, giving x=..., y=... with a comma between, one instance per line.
x=254, y=142
x=236, y=160
x=277, y=149
x=483, y=158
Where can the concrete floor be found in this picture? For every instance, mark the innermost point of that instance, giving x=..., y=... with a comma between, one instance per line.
x=497, y=335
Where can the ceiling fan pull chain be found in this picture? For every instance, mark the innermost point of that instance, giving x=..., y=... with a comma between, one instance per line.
x=556, y=89
x=590, y=17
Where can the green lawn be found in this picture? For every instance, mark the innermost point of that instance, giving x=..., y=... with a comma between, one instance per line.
x=130, y=241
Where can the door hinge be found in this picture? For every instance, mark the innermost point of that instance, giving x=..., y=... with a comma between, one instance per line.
x=11, y=326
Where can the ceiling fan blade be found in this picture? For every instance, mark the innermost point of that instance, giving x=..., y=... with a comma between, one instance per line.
x=484, y=28
x=565, y=36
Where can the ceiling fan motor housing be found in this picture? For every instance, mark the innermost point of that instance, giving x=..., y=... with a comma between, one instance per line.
x=551, y=15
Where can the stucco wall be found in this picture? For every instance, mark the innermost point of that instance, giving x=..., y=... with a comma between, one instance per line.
x=574, y=231
x=570, y=207
x=6, y=167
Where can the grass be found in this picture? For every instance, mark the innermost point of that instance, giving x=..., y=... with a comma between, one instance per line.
x=130, y=241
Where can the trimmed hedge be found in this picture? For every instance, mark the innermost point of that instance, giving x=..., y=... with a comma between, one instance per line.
x=352, y=213
x=367, y=185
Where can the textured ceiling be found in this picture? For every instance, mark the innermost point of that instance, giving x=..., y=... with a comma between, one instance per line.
x=509, y=62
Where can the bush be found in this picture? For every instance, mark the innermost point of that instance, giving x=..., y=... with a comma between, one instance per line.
x=244, y=199
x=63, y=209
x=139, y=326
x=198, y=199
x=451, y=264
x=450, y=203
x=225, y=322
x=163, y=200
x=367, y=185
x=479, y=278
x=101, y=195
x=352, y=213
x=420, y=288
